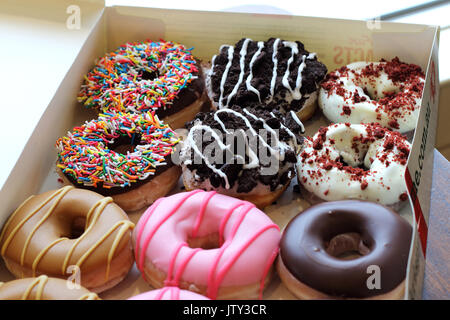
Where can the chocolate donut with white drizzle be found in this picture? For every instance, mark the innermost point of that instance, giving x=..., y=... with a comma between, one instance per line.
x=238, y=75
x=242, y=152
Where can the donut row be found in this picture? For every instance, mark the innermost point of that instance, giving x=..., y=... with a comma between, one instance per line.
x=244, y=116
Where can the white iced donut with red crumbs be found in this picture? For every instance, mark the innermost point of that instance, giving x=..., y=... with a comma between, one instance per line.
x=355, y=161
x=387, y=92
x=169, y=293
x=209, y=243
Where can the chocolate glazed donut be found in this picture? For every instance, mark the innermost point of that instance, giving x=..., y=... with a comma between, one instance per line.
x=313, y=241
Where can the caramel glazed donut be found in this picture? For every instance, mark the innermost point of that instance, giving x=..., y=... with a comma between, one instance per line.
x=245, y=153
x=345, y=249
x=387, y=92
x=274, y=74
x=122, y=155
x=146, y=76
x=354, y=161
x=43, y=288
x=68, y=232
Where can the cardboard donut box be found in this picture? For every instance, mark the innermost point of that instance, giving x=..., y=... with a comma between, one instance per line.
x=336, y=42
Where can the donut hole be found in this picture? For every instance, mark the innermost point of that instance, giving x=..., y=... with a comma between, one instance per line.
x=208, y=242
x=149, y=75
x=76, y=228
x=347, y=246
x=377, y=90
x=361, y=164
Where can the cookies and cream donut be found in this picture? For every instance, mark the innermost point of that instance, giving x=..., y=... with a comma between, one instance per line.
x=218, y=246
x=345, y=249
x=354, y=161
x=161, y=76
x=240, y=152
x=387, y=92
x=169, y=293
x=69, y=232
x=43, y=288
x=123, y=155
x=275, y=74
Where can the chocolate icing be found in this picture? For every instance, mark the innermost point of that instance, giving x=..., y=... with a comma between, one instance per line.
x=309, y=236
x=246, y=179
x=262, y=74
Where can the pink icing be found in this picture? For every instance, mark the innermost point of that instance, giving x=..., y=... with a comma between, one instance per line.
x=169, y=293
x=248, y=240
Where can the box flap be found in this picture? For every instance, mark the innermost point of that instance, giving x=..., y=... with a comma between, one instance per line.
x=44, y=39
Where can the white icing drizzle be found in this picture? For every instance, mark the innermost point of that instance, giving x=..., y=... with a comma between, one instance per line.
x=225, y=73
x=279, y=152
x=254, y=160
x=281, y=145
x=295, y=93
x=274, y=70
x=294, y=51
x=213, y=60
x=248, y=124
x=242, y=54
x=250, y=76
x=288, y=131
x=192, y=143
x=296, y=119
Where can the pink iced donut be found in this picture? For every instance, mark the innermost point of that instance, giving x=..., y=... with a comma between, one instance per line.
x=209, y=243
x=169, y=293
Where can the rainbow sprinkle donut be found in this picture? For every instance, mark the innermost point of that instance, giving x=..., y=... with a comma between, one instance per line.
x=143, y=76
x=88, y=157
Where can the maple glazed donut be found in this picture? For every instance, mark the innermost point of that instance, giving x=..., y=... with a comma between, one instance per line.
x=122, y=155
x=43, y=288
x=274, y=74
x=334, y=250
x=169, y=293
x=214, y=245
x=387, y=92
x=354, y=161
x=67, y=232
x=254, y=153
x=142, y=76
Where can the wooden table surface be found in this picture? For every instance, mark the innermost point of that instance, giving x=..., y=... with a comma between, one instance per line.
x=437, y=268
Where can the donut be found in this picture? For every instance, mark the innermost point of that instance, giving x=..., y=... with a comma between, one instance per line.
x=145, y=76
x=169, y=293
x=387, y=92
x=314, y=260
x=245, y=153
x=43, y=288
x=273, y=75
x=354, y=161
x=123, y=155
x=211, y=244
x=69, y=232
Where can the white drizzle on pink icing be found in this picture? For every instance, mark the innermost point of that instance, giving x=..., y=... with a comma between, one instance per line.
x=215, y=277
x=242, y=54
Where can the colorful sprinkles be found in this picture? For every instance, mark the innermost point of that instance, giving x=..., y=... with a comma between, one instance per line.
x=139, y=77
x=84, y=153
